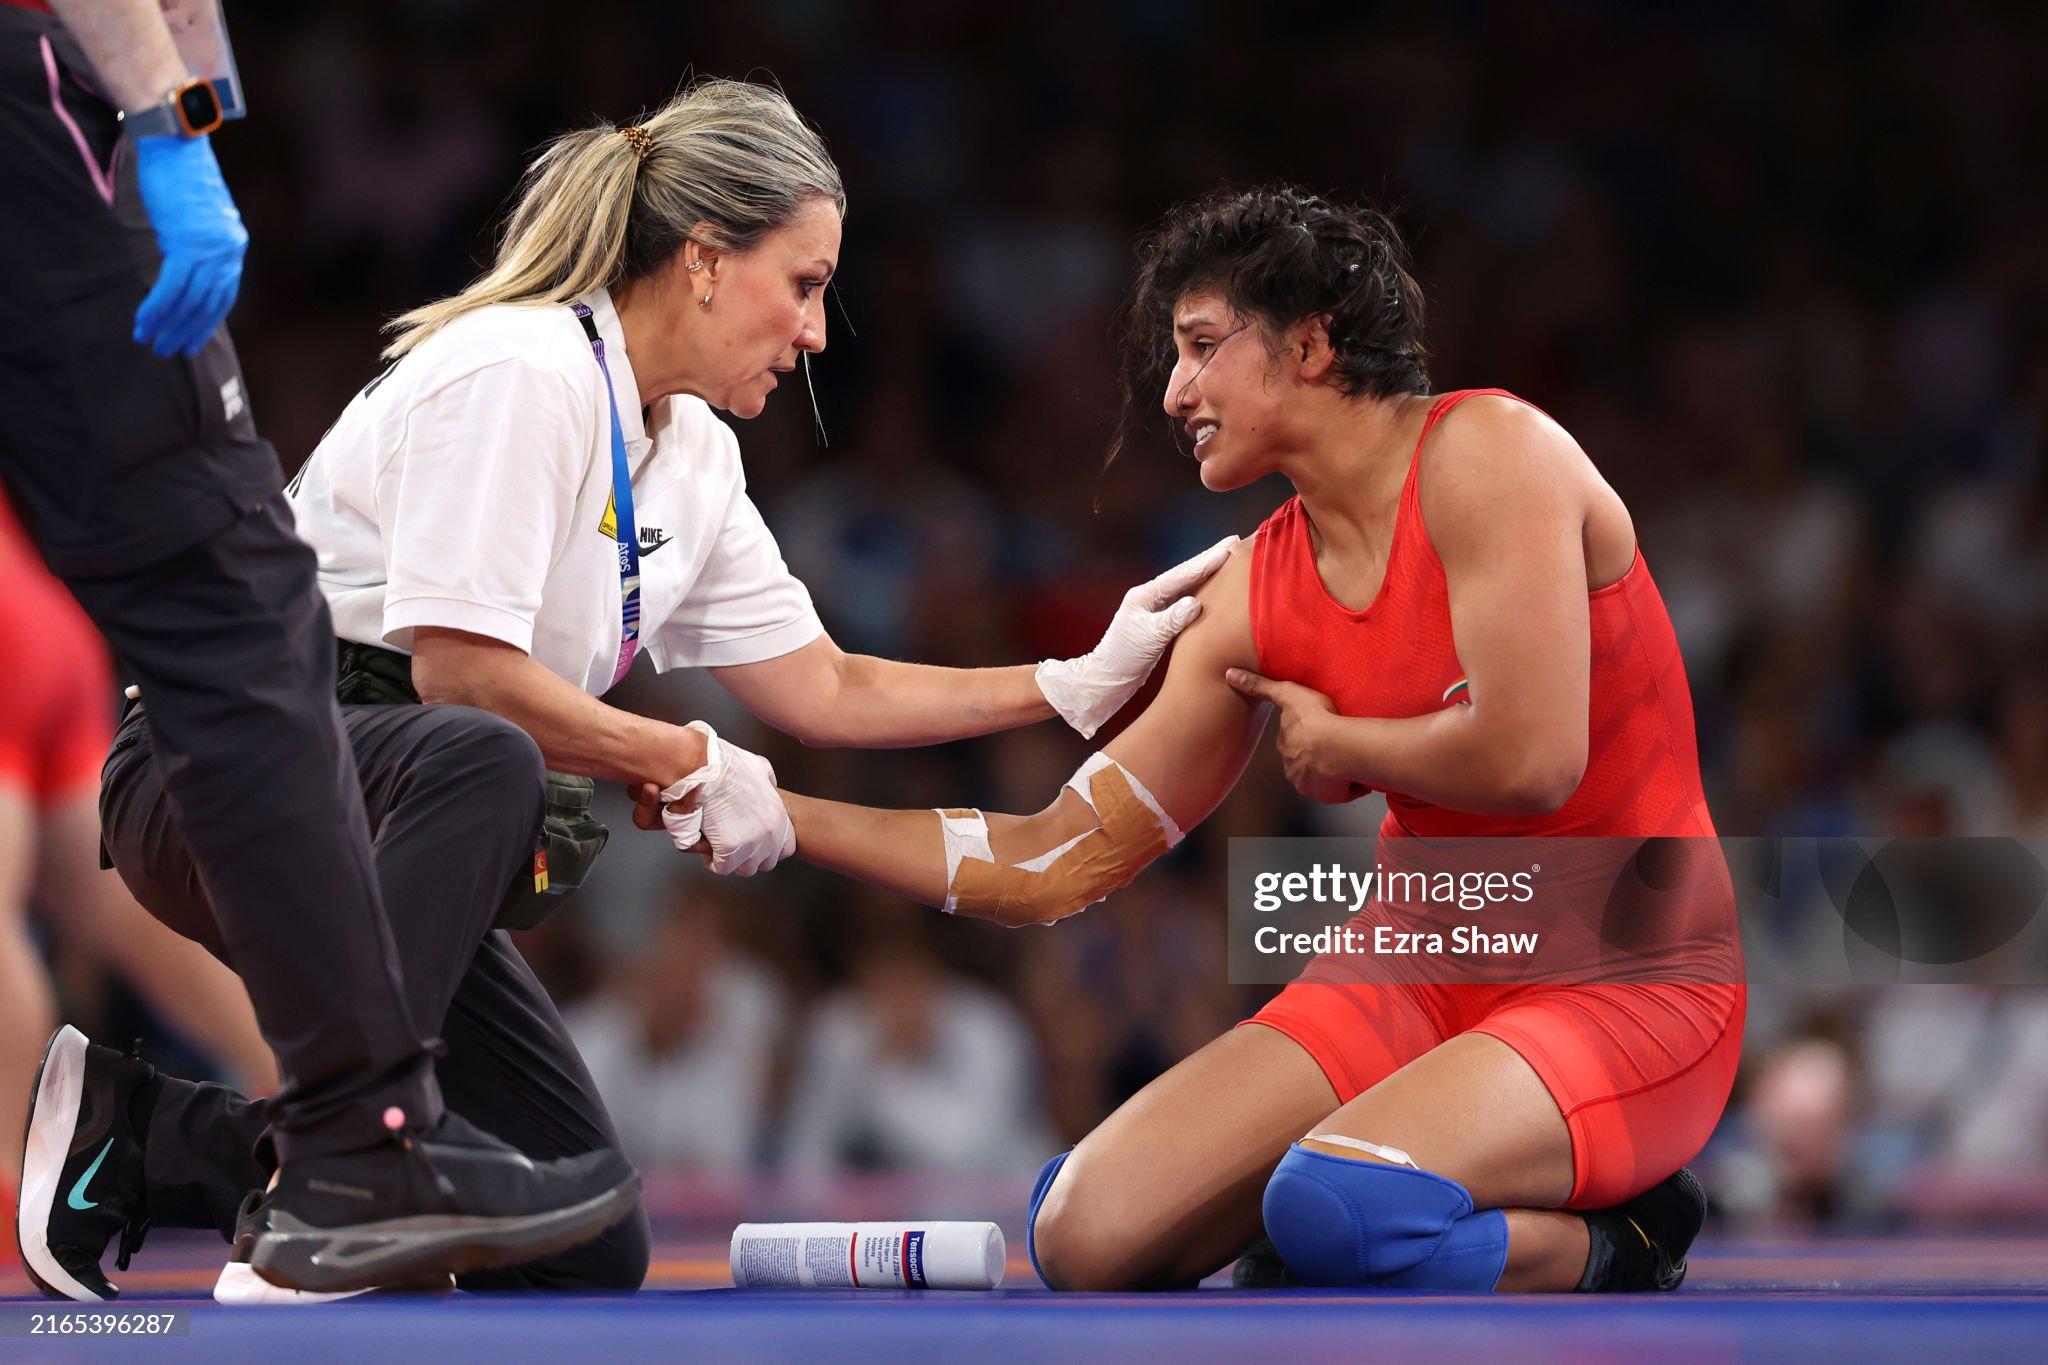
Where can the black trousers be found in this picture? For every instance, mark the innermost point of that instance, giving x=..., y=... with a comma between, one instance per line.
x=144, y=482
x=454, y=797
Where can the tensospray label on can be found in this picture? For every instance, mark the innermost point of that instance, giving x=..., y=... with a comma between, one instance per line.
x=923, y=1255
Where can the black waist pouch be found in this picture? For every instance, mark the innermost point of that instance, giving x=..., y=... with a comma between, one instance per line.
x=571, y=837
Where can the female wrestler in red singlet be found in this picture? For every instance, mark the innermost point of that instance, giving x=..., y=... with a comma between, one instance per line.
x=1453, y=610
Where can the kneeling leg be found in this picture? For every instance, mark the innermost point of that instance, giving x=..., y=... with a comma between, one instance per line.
x=1384, y=1222
x=1167, y=1189
x=1442, y=1176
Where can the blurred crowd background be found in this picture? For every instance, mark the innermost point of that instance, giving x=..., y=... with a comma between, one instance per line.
x=1777, y=266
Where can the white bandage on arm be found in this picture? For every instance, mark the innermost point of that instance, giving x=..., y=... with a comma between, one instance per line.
x=1083, y=775
x=966, y=833
x=1133, y=829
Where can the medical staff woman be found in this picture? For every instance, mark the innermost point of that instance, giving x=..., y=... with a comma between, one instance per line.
x=537, y=490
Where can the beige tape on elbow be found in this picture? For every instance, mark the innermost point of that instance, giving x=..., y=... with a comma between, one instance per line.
x=1133, y=831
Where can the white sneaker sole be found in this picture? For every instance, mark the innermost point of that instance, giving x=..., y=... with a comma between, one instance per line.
x=240, y=1287
x=52, y=1122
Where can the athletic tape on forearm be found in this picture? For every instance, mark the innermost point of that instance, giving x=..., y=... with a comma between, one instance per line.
x=1133, y=830
x=966, y=833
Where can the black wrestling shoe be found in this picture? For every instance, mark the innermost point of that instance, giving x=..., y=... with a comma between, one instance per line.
x=1261, y=1268
x=1640, y=1245
x=81, y=1168
x=442, y=1200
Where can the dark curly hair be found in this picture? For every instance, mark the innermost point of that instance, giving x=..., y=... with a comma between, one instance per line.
x=1277, y=254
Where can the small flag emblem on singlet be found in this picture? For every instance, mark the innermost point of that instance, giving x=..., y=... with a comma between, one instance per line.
x=1459, y=691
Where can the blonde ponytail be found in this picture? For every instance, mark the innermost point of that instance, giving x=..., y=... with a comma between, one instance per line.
x=728, y=160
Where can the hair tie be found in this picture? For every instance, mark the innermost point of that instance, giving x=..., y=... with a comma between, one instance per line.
x=639, y=139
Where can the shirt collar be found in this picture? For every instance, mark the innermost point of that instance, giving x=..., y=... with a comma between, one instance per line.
x=625, y=388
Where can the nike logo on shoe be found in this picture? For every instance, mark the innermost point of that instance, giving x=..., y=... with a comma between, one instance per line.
x=76, y=1199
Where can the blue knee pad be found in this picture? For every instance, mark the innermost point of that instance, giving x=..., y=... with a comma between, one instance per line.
x=1044, y=1183
x=1337, y=1222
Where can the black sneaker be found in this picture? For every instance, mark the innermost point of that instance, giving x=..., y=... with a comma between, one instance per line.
x=444, y=1200
x=240, y=1286
x=1641, y=1245
x=81, y=1168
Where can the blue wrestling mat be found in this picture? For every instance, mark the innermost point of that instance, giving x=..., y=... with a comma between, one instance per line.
x=1823, y=1300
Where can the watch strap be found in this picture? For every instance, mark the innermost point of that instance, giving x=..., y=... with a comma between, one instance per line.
x=159, y=120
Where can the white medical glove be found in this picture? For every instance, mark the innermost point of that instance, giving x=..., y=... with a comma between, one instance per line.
x=1089, y=690
x=738, y=809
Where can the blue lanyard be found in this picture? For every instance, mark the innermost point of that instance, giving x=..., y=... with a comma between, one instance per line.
x=622, y=512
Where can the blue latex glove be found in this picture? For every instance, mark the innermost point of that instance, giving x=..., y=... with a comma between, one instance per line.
x=202, y=239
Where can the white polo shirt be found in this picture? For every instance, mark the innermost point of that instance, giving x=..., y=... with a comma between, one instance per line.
x=470, y=487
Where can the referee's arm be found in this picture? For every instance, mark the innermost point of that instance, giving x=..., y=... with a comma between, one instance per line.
x=130, y=47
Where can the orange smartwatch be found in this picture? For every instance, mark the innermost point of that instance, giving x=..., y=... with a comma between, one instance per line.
x=188, y=110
